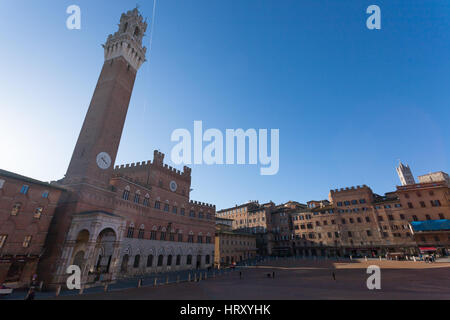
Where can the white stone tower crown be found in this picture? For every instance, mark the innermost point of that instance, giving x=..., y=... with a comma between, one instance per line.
x=127, y=41
x=405, y=174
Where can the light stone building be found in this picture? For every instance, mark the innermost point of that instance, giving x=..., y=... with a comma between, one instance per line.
x=405, y=174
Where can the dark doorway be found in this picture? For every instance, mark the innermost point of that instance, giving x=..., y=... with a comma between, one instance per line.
x=15, y=271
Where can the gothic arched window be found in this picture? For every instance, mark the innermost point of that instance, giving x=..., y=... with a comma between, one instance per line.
x=126, y=193
x=146, y=200
x=160, y=260
x=141, y=233
x=137, y=260
x=124, y=265
x=137, y=197
x=150, y=261
x=130, y=233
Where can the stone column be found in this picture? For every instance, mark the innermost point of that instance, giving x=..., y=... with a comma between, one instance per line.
x=64, y=261
x=115, y=260
x=90, y=263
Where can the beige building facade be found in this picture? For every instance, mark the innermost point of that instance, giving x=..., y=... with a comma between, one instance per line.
x=232, y=246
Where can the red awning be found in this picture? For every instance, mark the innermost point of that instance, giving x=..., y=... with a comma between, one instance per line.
x=427, y=249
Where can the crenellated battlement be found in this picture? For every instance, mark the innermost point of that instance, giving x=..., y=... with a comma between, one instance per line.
x=137, y=165
x=174, y=170
x=187, y=171
x=353, y=188
x=202, y=204
x=158, y=158
x=158, y=161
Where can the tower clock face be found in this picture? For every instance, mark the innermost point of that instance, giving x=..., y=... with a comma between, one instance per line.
x=103, y=160
x=173, y=186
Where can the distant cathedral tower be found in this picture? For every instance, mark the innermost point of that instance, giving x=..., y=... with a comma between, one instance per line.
x=96, y=149
x=405, y=175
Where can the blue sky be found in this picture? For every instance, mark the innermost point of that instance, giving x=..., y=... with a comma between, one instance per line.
x=349, y=102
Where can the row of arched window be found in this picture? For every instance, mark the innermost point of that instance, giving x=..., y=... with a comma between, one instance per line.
x=170, y=261
x=166, y=207
x=167, y=236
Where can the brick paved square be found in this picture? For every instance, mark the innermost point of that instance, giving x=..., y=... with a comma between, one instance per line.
x=304, y=279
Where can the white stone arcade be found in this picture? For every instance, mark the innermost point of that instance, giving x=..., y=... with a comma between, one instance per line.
x=142, y=256
x=96, y=244
x=93, y=243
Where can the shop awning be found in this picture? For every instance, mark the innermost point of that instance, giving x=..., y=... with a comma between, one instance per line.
x=427, y=248
x=431, y=225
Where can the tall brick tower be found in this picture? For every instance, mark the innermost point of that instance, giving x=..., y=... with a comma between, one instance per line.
x=96, y=149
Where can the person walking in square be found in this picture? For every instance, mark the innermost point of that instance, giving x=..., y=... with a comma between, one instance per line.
x=31, y=294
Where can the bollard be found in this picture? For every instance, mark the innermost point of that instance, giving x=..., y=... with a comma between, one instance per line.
x=156, y=282
x=81, y=290
x=414, y=258
x=139, y=283
x=380, y=258
x=105, y=289
x=189, y=278
x=58, y=291
x=365, y=258
x=167, y=280
x=195, y=278
x=41, y=285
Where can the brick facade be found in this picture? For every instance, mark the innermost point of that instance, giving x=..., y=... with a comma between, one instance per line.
x=131, y=219
x=27, y=207
x=356, y=221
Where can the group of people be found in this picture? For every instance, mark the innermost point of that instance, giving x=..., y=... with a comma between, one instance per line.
x=430, y=258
